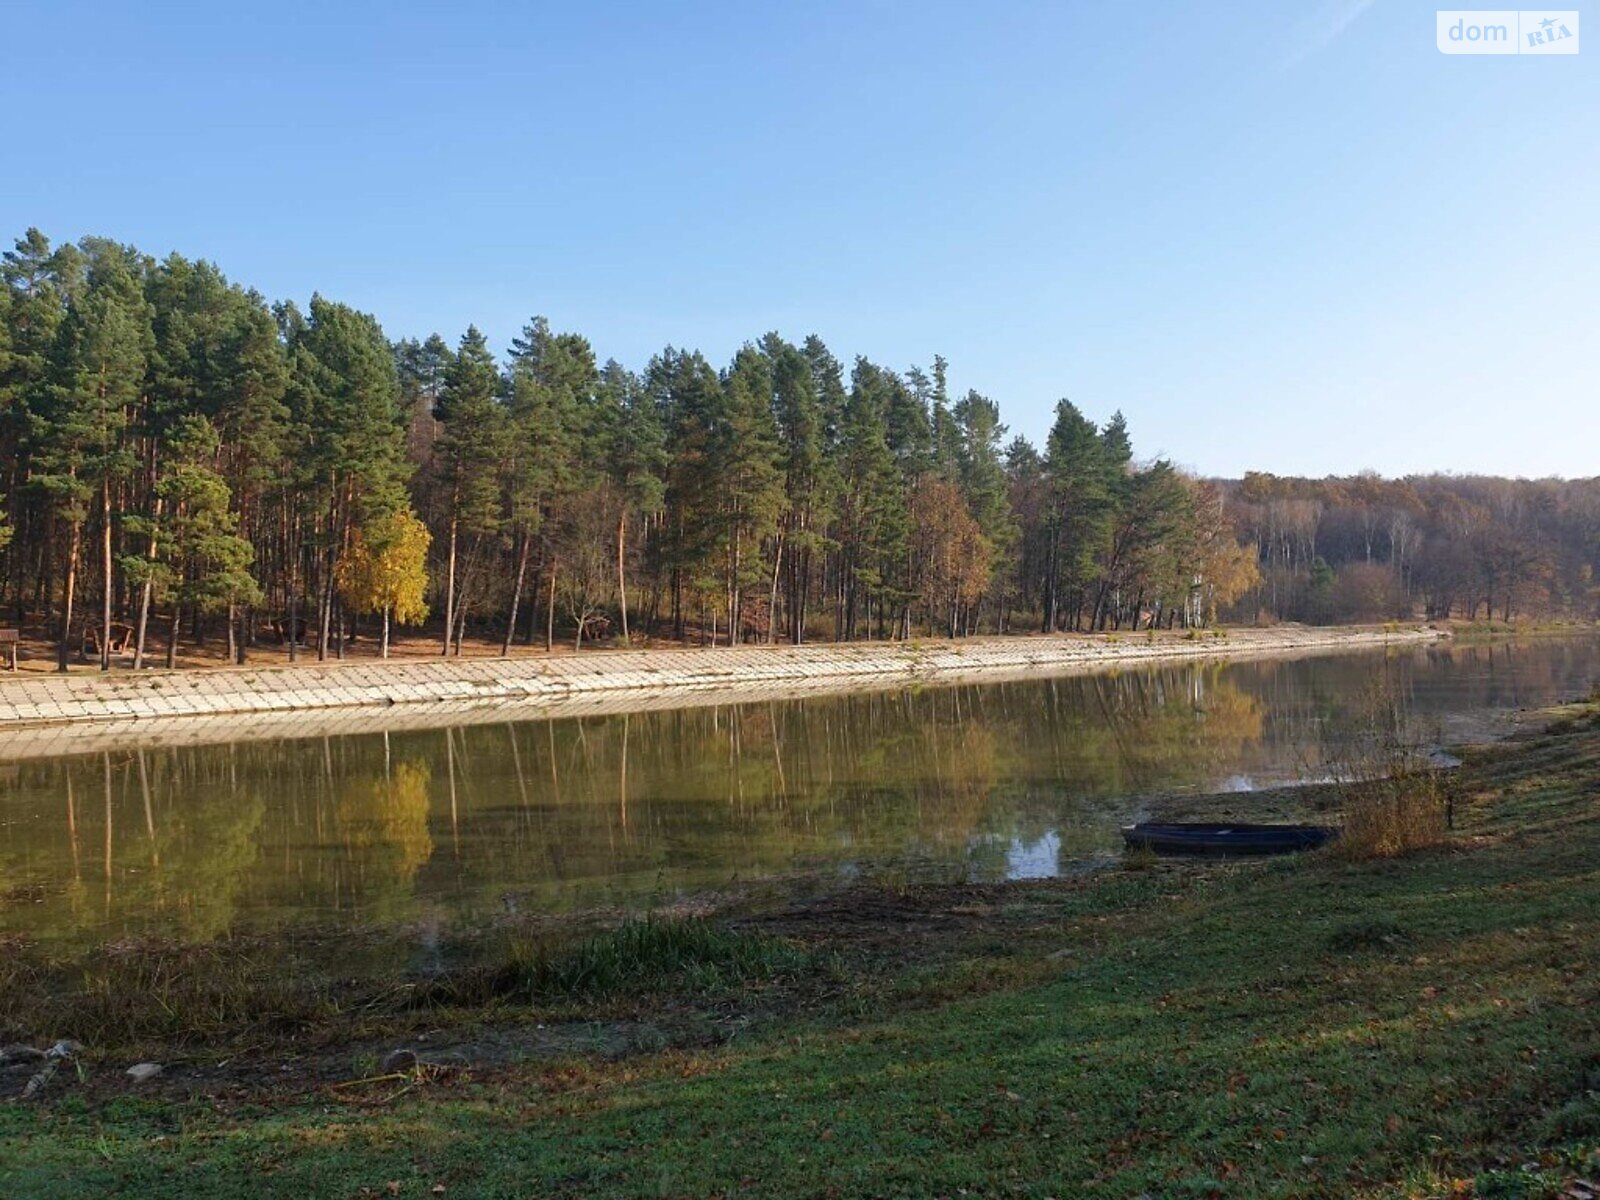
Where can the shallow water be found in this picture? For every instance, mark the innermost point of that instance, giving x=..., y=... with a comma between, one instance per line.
x=454, y=828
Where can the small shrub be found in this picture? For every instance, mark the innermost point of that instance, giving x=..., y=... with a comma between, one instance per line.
x=1139, y=858
x=1393, y=815
x=1394, y=801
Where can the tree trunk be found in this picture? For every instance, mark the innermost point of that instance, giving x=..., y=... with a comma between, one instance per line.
x=516, y=597
x=384, y=646
x=233, y=631
x=622, y=573
x=105, y=562
x=772, y=596
x=172, y=635
x=450, y=591
x=144, y=624
x=146, y=593
x=63, y=647
x=550, y=613
x=1049, y=623
x=326, y=616
x=294, y=615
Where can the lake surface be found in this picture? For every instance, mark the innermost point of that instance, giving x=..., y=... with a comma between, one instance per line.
x=455, y=828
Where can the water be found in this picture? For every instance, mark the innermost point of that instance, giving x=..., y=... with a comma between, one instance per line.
x=454, y=828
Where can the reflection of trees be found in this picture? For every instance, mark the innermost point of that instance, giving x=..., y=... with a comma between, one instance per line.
x=164, y=841
x=205, y=842
x=382, y=824
x=577, y=811
x=696, y=797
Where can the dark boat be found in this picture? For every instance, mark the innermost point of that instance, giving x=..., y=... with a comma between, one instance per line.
x=1191, y=837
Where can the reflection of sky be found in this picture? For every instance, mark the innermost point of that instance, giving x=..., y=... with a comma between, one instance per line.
x=1039, y=859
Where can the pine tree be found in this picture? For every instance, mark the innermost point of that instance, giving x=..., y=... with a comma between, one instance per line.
x=976, y=419
x=745, y=463
x=636, y=457
x=552, y=416
x=469, y=449
x=206, y=562
x=873, y=520
x=824, y=554
x=1079, y=514
x=348, y=427
x=96, y=374
x=802, y=432
x=689, y=397
x=1116, y=458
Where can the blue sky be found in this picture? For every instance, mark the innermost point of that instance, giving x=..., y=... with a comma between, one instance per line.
x=1282, y=236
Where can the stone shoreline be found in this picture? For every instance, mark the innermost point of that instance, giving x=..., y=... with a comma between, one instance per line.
x=42, y=715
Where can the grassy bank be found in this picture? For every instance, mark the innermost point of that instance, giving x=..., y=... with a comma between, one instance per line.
x=1423, y=1025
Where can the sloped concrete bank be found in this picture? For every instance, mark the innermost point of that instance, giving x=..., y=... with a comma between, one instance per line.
x=48, y=714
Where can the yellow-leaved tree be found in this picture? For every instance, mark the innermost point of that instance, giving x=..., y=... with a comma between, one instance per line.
x=385, y=570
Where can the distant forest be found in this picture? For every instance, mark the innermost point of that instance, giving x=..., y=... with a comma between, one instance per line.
x=182, y=459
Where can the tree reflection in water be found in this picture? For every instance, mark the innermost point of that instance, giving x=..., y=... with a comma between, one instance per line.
x=464, y=824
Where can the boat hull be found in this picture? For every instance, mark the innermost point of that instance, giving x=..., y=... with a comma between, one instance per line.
x=1226, y=839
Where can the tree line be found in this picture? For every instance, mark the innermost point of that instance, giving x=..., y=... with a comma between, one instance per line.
x=183, y=458
x=1440, y=546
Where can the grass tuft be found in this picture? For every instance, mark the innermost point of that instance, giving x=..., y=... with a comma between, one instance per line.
x=642, y=955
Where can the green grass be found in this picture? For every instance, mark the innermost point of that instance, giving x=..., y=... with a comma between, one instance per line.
x=636, y=958
x=152, y=1000
x=1419, y=1026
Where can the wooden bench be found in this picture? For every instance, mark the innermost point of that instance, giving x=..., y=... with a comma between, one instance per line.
x=10, y=639
x=122, y=639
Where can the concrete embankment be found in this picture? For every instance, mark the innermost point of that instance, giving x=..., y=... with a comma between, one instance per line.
x=63, y=714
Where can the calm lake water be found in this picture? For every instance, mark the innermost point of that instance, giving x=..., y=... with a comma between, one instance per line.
x=456, y=828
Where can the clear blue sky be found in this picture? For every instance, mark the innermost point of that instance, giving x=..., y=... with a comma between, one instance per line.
x=1284, y=236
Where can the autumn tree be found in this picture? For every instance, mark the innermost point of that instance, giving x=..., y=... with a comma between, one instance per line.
x=951, y=557
x=385, y=571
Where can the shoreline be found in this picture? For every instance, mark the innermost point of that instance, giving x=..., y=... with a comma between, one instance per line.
x=76, y=713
